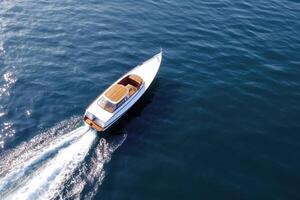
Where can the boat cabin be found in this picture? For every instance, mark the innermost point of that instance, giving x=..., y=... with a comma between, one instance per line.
x=118, y=93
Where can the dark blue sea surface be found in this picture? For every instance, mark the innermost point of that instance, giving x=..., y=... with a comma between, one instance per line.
x=220, y=121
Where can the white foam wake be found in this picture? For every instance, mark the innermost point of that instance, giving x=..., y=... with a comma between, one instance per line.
x=54, y=164
x=45, y=182
x=41, y=155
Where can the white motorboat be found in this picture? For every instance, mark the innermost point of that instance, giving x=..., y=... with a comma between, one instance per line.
x=121, y=95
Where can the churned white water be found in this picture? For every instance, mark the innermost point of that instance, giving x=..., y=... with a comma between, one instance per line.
x=43, y=169
x=47, y=181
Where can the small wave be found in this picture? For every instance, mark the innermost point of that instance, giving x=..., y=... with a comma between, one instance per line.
x=6, y=127
x=2, y=50
x=6, y=131
x=9, y=80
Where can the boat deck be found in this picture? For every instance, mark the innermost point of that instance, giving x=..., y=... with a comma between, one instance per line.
x=116, y=93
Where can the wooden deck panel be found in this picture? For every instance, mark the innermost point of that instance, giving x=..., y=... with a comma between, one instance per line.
x=116, y=92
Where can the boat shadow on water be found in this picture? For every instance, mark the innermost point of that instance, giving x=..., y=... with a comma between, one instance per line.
x=134, y=112
x=159, y=102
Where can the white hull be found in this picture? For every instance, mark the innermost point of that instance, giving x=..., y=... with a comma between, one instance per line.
x=147, y=71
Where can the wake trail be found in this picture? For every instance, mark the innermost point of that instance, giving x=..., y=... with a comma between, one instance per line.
x=59, y=167
x=50, y=178
x=42, y=155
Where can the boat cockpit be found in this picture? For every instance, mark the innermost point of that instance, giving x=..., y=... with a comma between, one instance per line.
x=118, y=93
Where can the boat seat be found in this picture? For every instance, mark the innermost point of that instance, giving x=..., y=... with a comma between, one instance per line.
x=135, y=80
x=131, y=89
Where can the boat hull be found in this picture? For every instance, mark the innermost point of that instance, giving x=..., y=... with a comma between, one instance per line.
x=147, y=71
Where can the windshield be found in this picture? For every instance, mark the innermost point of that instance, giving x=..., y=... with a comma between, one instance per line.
x=106, y=105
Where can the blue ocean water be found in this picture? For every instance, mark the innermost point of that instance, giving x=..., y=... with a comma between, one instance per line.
x=221, y=120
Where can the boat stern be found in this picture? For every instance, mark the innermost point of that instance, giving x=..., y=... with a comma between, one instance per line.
x=92, y=124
